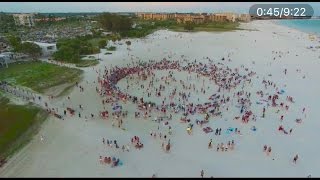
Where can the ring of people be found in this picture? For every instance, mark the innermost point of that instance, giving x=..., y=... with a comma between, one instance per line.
x=175, y=105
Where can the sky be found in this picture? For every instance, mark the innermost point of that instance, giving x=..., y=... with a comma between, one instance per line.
x=50, y=7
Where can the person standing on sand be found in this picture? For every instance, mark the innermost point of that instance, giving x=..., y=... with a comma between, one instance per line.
x=202, y=173
x=210, y=144
x=269, y=150
x=295, y=158
x=100, y=160
x=41, y=138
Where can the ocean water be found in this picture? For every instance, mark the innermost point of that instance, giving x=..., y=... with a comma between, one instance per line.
x=305, y=25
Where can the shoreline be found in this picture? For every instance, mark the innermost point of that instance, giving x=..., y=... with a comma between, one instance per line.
x=296, y=29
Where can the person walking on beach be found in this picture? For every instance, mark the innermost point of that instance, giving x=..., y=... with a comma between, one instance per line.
x=265, y=148
x=41, y=138
x=210, y=144
x=269, y=150
x=295, y=158
x=202, y=173
x=100, y=160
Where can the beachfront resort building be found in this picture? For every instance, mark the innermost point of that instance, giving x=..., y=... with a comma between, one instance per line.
x=244, y=17
x=155, y=16
x=228, y=16
x=218, y=18
x=49, y=19
x=195, y=18
x=24, y=19
x=4, y=60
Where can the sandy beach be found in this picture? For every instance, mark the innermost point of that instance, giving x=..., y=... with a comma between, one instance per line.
x=71, y=147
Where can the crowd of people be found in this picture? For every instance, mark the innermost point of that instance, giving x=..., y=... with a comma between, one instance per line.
x=231, y=92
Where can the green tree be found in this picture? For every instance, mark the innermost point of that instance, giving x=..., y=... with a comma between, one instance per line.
x=102, y=43
x=7, y=23
x=70, y=50
x=114, y=39
x=67, y=54
x=32, y=49
x=189, y=26
x=118, y=38
x=15, y=43
x=114, y=23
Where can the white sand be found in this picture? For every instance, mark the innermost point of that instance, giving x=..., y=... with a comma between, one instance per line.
x=71, y=148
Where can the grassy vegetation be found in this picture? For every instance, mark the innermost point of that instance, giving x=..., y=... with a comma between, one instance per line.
x=70, y=50
x=210, y=27
x=111, y=48
x=39, y=76
x=107, y=53
x=146, y=27
x=18, y=123
x=95, y=41
x=87, y=63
